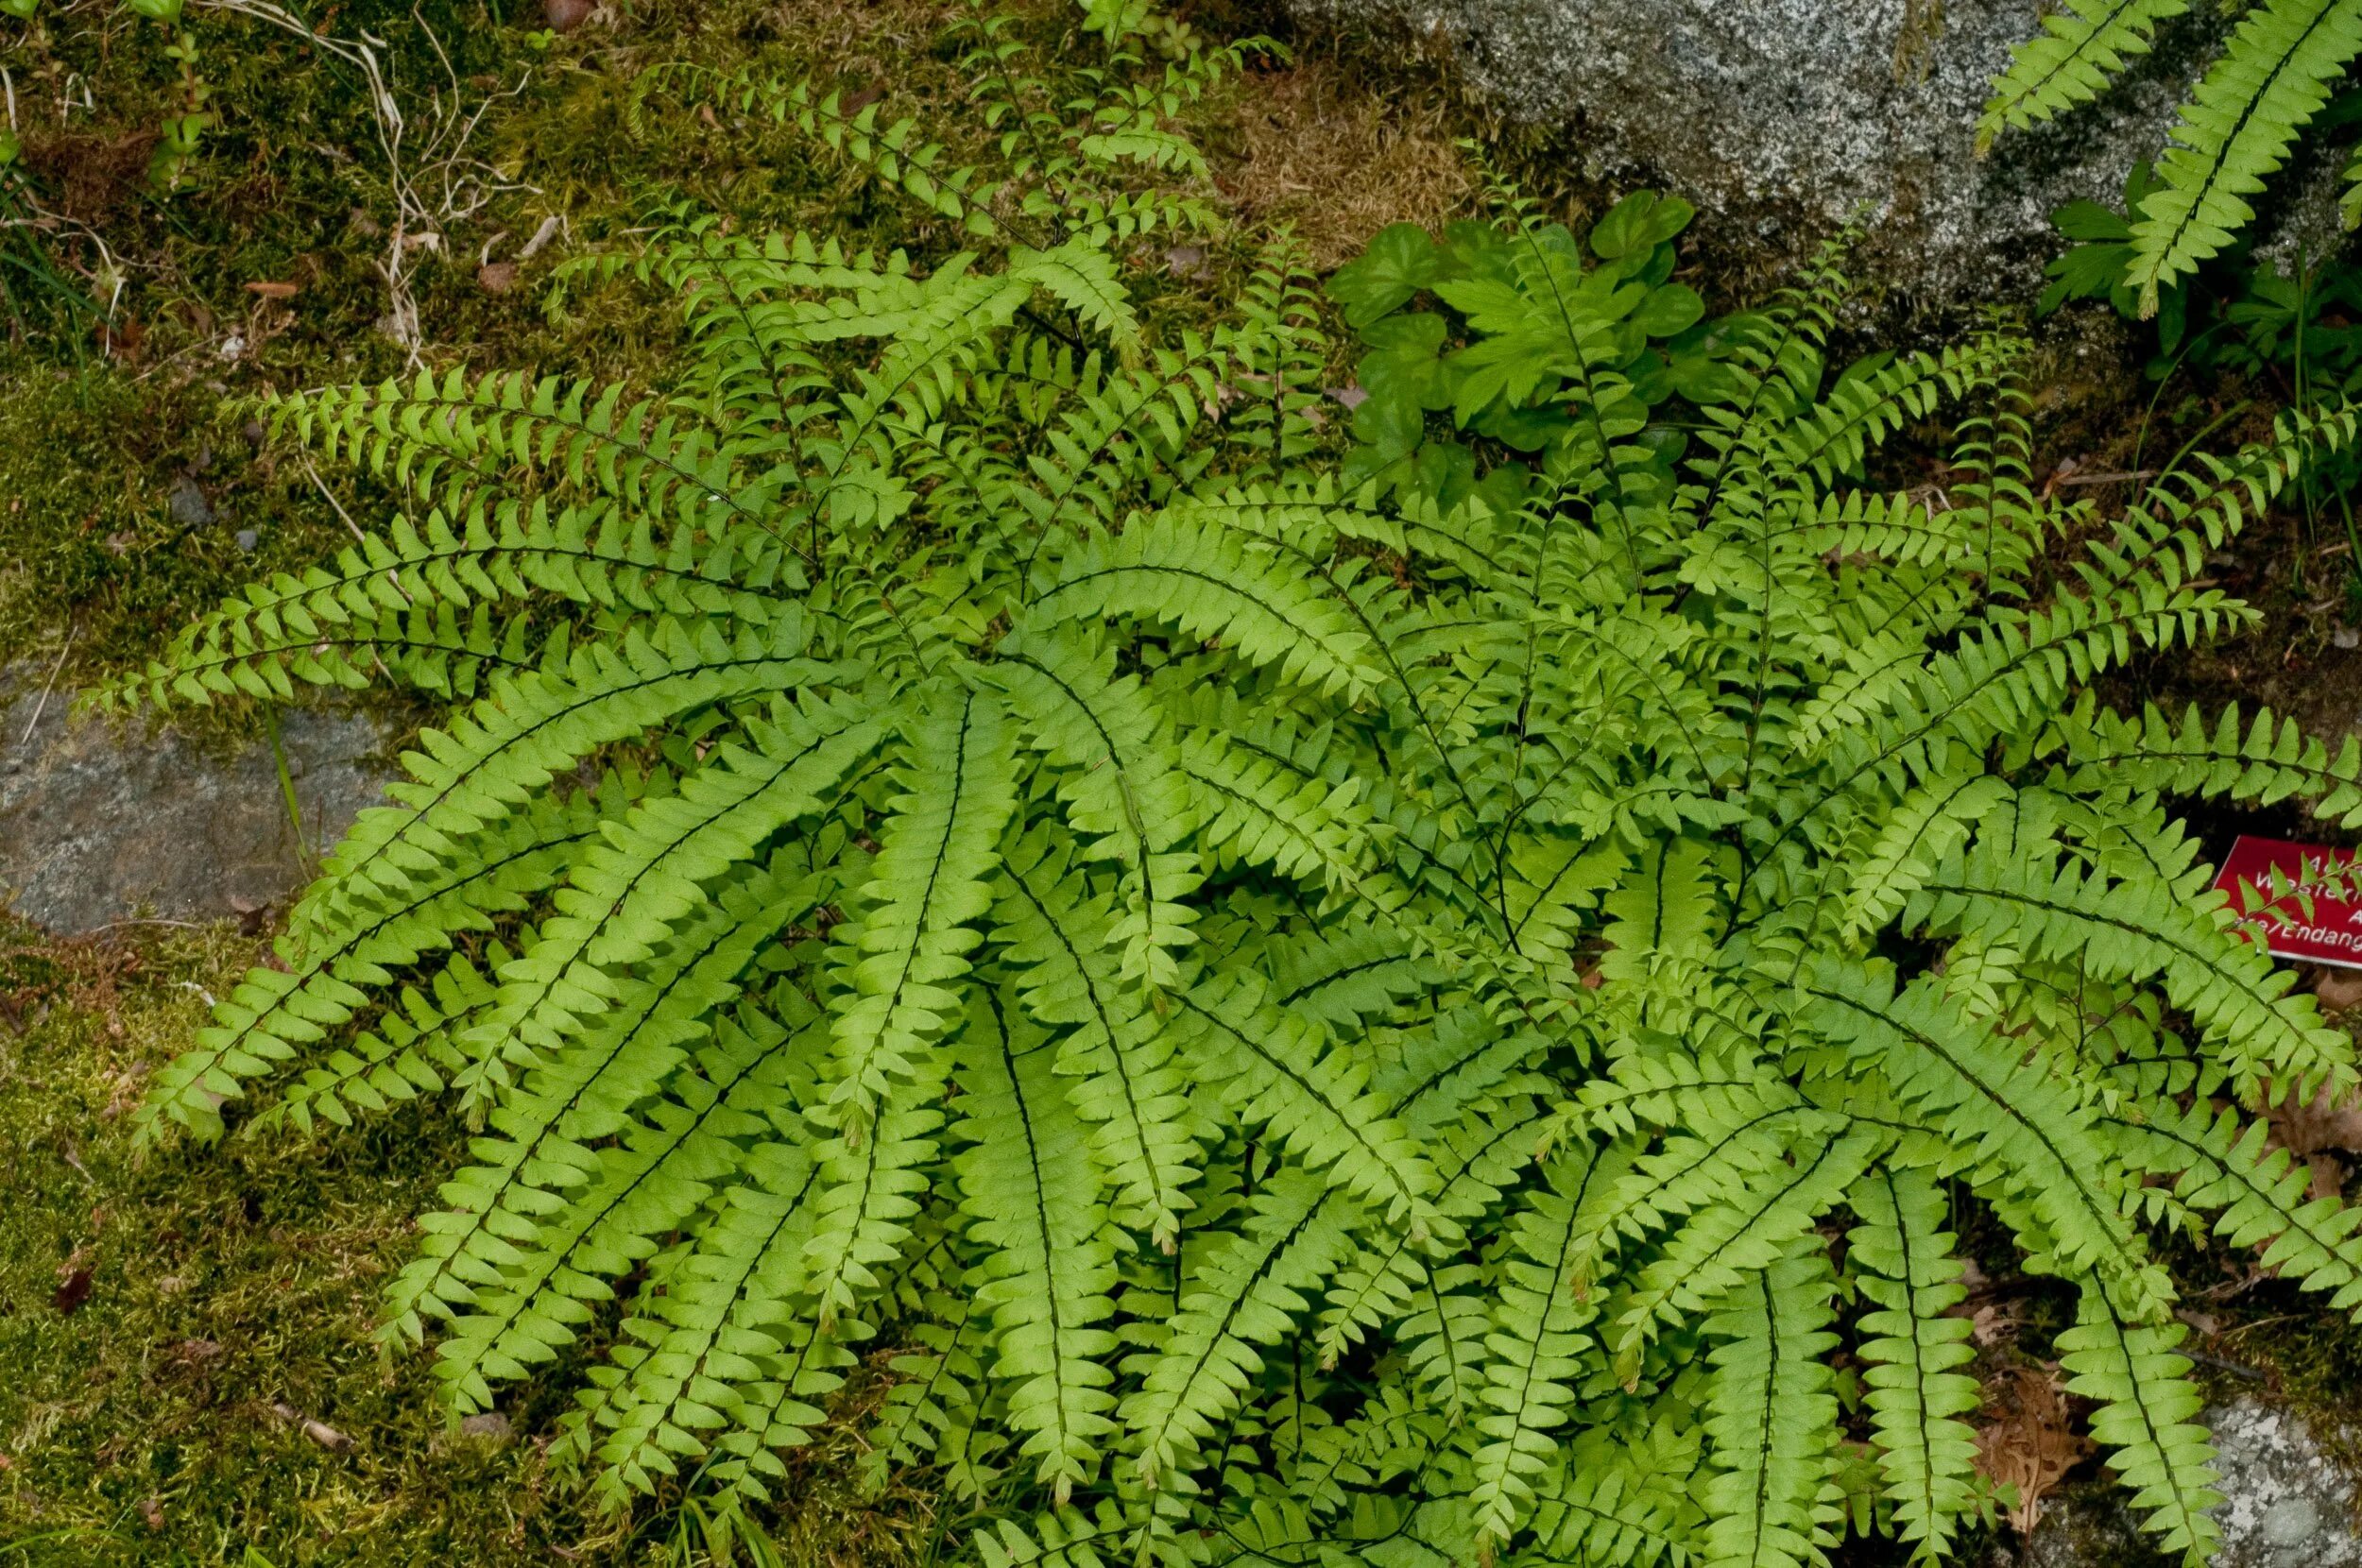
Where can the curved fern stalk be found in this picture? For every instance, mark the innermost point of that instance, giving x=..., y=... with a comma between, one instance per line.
x=649, y=872
x=2145, y=1402
x=1277, y=1070
x=256, y=652
x=1902, y=1263
x=2262, y=763
x=2027, y=1129
x=2141, y=927
x=513, y=743
x=2217, y=1161
x=724, y=1343
x=412, y=1050
x=1534, y=1353
x=1123, y=798
x=1053, y=927
x=2273, y=76
x=649, y=458
x=622, y=1199
x=907, y=940
x=672, y=1381
x=389, y=607
x=1769, y=1505
x=1246, y=1292
x=551, y=1140
x=1031, y=1196
x=276, y=1013
x=1211, y=587
x=2083, y=45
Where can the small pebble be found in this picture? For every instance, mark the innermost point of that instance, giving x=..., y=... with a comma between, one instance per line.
x=190, y=508
x=247, y=539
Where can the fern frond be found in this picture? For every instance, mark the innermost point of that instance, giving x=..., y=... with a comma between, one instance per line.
x=2274, y=75
x=1917, y=1395
x=2083, y=45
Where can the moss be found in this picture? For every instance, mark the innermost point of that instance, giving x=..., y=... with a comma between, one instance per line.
x=170, y=1323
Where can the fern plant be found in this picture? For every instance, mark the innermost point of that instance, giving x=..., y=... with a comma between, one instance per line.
x=2275, y=78
x=1285, y=1014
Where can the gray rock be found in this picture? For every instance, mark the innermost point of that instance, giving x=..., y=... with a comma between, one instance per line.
x=190, y=508
x=100, y=821
x=2287, y=1503
x=1789, y=118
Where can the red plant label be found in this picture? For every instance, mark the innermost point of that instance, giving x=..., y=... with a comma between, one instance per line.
x=2278, y=877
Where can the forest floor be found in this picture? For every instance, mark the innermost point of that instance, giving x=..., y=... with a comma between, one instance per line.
x=190, y=1375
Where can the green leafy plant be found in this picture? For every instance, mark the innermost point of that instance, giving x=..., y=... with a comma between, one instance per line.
x=2275, y=78
x=1284, y=1013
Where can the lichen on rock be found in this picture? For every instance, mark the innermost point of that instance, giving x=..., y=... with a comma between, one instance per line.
x=1792, y=118
x=101, y=820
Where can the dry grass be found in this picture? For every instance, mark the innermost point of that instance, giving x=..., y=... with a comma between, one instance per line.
x=1311, y=146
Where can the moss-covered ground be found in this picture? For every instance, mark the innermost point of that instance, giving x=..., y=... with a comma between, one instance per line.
x=186, y=1337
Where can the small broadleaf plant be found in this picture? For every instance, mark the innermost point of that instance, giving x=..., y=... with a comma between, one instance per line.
x=1281, y=1013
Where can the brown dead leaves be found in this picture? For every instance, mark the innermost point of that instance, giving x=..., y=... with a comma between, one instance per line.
x=2319, y=1132
x=2030, y=1443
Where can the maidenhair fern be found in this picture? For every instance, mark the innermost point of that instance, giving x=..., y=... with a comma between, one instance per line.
x=1280, y=1013
x=2276, y=76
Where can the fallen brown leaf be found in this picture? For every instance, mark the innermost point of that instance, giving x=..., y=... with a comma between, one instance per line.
x=1988, y=1325
x=2323, y=1125
x=152, y=1512
x=2339, y=989
x=73, y=1290
x=270, y=290
x=2030, y=1444
x=496, y=276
